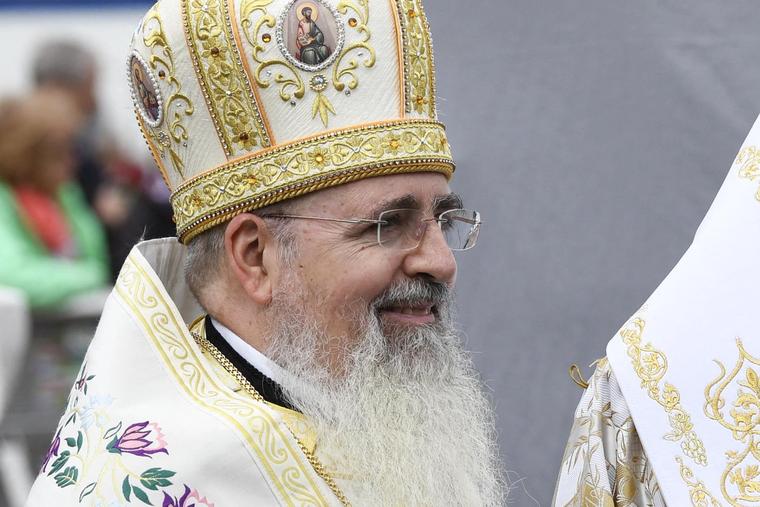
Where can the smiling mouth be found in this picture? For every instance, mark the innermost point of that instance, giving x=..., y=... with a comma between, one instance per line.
x=417, y=314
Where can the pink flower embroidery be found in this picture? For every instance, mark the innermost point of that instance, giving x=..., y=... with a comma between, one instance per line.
x=140, y=439
x=186, y=499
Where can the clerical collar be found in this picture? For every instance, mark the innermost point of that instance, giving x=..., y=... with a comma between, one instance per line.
x=259, y=370
x=255, y=358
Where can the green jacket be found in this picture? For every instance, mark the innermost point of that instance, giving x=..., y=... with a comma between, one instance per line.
x=26, y=264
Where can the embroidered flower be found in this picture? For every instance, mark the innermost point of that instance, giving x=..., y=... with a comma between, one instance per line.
x=53, y=451
x=319, y=157
x=184, y=501
x=392, y=144
x=140, y=439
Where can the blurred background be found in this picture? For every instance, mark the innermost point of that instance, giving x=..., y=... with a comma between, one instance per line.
x=592, y=139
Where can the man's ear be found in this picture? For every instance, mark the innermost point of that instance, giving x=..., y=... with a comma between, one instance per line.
x=251, y=256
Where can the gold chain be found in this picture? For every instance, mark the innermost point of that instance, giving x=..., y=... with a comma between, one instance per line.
x=240, y=379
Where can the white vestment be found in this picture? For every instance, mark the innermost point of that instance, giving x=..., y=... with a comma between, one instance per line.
x=154, y=418
x=672, y=417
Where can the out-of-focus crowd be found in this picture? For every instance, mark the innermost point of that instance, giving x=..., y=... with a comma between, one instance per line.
x=72, y=205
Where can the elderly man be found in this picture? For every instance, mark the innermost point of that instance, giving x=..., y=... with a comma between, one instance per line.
x=307, y=355
x=672, y=415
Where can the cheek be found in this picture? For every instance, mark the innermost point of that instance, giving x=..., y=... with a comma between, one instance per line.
x=344, y=283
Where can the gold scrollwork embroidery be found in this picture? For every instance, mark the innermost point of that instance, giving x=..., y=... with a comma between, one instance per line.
x=289, y=78
x=419, y=67
x=650, y=366
x=310, y=165
x=361, y=8
x=749, y=159
x=698, y=492
x=178, y=107
x=217, y=62
x=291, y=84
x=742, y=473
x=277, y=451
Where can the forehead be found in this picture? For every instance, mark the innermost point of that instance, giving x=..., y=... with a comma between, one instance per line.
x=363, y=195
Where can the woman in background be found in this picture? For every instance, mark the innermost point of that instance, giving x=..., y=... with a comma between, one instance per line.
x=51, y=245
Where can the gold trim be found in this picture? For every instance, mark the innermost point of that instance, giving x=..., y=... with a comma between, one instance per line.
x=650, y=366
x=171, y=339
x=219, y=68
x=395, y=12
x=308, y=165
x=171, y=138
x=743, y=467
x=419, y=65
x=749, y=159
x=235, y=27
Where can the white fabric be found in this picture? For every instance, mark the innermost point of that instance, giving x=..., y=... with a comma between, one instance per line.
x=148, y=401
x=255, y=358
x=687, y=362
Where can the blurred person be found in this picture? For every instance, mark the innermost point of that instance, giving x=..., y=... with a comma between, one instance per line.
x=120, y=191
x=298, y=344
x=672, y=415
x=51, y=244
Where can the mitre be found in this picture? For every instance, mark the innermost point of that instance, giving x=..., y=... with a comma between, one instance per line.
x=246, y=103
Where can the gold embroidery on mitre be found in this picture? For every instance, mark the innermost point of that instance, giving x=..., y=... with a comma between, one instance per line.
x=698, y=493
x=275, y=449
x=740, y=481
x=218, y=66
x=291, y=83
x=419, y=66
x=342, y=72
x=305, y=166
x=749, y=159
x=171, y=139
x=284, y=71
x=650, y=366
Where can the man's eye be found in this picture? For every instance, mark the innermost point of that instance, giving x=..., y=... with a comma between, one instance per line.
x=393, y=220
x=446, y=224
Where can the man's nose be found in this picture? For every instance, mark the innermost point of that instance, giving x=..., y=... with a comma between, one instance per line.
x=432, y=257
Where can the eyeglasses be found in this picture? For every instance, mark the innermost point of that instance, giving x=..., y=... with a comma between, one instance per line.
x=403, y=229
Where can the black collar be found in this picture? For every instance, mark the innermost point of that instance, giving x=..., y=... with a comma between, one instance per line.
x=267, y=387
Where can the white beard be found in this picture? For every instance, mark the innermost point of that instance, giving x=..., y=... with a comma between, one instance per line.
x=406, y=423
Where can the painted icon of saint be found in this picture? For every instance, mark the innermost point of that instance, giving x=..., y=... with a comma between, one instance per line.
x=145, y=93
x=310, y=40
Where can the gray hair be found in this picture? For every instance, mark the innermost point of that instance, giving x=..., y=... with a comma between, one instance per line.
x=205, y=252
x=62, y=62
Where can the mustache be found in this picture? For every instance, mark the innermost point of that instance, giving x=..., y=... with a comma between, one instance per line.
x=414, y=292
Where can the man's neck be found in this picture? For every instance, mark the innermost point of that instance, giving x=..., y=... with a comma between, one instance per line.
x=248, y=352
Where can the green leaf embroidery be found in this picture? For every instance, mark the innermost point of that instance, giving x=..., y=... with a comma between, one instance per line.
x=87, y=490
x=126, y=488
x=59, y=462
x=155, y=478
x=112, y=432
x=67, y=478
x=141, y=495
x=71, y=442
x=80, y=441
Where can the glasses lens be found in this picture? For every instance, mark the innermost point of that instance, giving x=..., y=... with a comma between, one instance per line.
x=399, y=228
x=461, y=228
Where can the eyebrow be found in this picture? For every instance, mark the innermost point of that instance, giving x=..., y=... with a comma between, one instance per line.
x=447, y=202
x=409, y=201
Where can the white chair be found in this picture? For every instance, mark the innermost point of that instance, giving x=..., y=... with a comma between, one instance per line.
x=15, y=471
